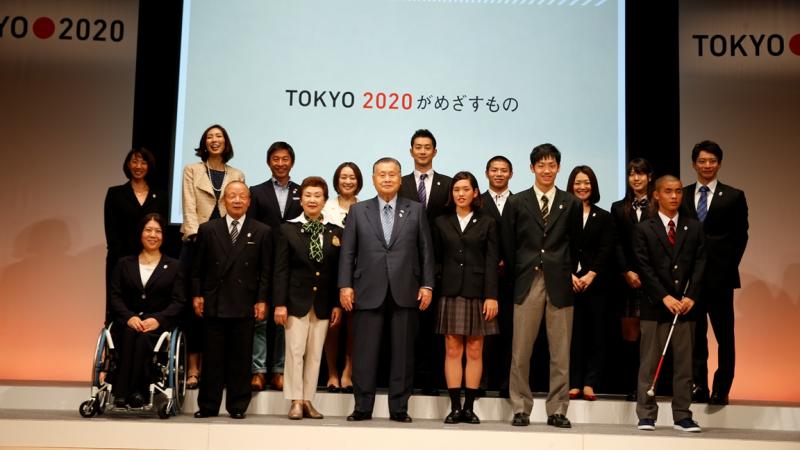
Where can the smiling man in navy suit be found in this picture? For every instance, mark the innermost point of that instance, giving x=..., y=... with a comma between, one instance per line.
x=723, y=211
x=385, y=277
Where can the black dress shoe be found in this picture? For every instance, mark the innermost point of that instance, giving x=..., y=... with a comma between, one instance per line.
x=347, y=389
x=120, y=402
x=453, y=417
x=468, y=416
x=559, y=421
x=402, y=417
x=333, y=388
x=718, y=399
x=521, y=420
x=237, y=415
x=203, y=414
x=358, y=416
x=699, y=394
x=432, y=391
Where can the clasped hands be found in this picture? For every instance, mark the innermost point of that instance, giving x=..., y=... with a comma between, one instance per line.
x=347, y=297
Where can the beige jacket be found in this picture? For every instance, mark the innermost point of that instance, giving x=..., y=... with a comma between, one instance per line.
x=198, y=196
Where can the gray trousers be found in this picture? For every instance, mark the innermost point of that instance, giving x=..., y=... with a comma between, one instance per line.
x=527, y=320
x=654, y=336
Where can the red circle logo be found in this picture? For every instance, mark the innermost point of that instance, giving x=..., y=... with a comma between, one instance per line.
x=794, y=44
x=44, y=27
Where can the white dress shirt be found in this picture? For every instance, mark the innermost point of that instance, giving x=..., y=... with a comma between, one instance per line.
x=500, y=199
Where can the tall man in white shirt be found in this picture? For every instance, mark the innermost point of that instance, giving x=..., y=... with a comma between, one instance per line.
x=723, y=211
x=431, y=189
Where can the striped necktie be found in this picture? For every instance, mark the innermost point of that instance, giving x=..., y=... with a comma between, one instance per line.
x=234, y=231
x=702, y=203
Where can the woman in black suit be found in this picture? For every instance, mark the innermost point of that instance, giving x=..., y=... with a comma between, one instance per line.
x=466, y=246
x=627, y=212
x=127, y=204
x=305, y=293
x=591, y=254
x=146, y=298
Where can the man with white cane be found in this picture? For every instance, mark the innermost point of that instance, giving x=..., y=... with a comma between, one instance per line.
x=670, y=251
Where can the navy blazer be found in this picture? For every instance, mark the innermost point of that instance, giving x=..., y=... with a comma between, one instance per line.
x=301, y=283
x=371, y=267
x=467, y=260
x=264, y=205
x=232, y=278
x=725, y=228
x=529, y=244
x=666, y=269
x=160, y=298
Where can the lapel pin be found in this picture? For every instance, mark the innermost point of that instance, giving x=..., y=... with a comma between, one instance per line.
x=561, y=206
x=249, y=234
x=154, y=195
x=685, y=228
x=594, y=214
x=165, y=266
x=474, y=220
x=720, y=193
x=438, y=183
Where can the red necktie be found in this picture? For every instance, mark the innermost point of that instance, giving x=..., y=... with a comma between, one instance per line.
x=671, y=232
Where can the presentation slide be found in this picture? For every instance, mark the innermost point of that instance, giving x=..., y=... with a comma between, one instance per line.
x=351, y=80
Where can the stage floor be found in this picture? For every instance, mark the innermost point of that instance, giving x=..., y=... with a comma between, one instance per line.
x=66, y=429
x=45, y=415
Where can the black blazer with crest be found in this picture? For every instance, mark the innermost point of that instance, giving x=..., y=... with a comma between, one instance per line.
x=725, y=227
x=300, y=283
x=437, y=197
x=232, y=278
x=122, y=214
x=264, y=205
x=593, y=247
x=467, y=260
x=665, y=269
x=160, y=298
x=529, y=244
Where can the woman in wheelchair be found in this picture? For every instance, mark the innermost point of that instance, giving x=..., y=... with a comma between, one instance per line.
x=146, y=298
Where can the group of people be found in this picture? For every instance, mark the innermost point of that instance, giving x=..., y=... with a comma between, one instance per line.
x=429, y=255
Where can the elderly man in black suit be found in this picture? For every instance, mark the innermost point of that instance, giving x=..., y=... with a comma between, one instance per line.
x=386, y=274
x=231, y=283
x=274, y=202
x=723, y=211
x=670, y=254
x=431, y=190
x=538, y=229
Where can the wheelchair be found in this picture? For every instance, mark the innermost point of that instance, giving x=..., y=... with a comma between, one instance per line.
x=167, y=388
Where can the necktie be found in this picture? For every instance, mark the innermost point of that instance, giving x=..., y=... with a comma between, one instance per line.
x=421, y=191
x=387, y=220
x=234, y=231
x=671, y=232
x=545, y=208
x=702, y=203
x=314, y=228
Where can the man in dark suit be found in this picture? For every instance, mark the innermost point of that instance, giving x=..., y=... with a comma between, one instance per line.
x=538, y=226
x=670, y=253
x=497, y=354
x=230, y=283
x=385, y=275
x=723, y=211
x=432, y=190
x=273, y=202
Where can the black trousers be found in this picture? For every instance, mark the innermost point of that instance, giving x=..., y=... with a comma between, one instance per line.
x=135, y=354
x=588, y=347
x=367, y=331
x=718, y=304
x=226, y=364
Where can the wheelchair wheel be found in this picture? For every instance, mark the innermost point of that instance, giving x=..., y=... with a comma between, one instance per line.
x=164, y=410
x=178, y=373
x=88, y=409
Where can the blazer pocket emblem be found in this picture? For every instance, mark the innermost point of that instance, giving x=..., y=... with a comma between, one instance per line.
x=251, y=243
x=335, y=241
